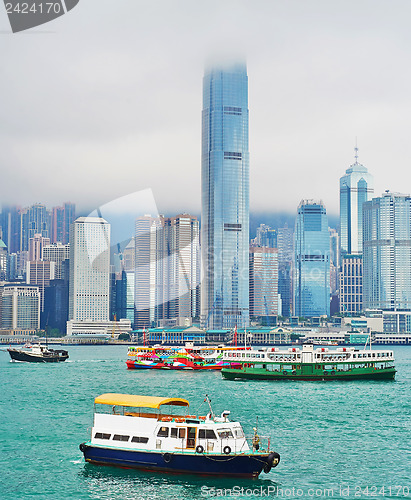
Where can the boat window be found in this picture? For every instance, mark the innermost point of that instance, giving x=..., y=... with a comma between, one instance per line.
x=239, y=432
x=225, y=433
x=206, y=434
x=163, y=432
x=173, y=432
x=101, y=435
x=139, y=439
x=182, y=433
x=120, y=437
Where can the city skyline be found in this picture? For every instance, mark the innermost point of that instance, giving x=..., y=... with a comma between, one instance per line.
x=311, y=95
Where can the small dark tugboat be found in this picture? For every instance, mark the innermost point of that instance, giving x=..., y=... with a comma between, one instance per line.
x=38, y=354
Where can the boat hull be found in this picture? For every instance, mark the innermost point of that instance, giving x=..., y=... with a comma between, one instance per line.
x=28, y=357
x=244, y=465
x=136, y=365
x=261, y=374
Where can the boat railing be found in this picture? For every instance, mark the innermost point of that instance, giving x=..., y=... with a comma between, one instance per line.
x=258, y=442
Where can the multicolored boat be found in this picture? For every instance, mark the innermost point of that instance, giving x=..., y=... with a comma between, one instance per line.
x=177, y=358
x=344, y=363
x=157, y=434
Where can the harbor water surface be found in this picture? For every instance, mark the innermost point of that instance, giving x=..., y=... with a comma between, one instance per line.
x=336, y=439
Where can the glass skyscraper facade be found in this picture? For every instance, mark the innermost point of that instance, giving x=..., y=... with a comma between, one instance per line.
x=356, y=187
x=225, y=198
x=311, y=260
x=387, y=252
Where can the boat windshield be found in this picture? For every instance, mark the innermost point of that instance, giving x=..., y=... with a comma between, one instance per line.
x=225, y=433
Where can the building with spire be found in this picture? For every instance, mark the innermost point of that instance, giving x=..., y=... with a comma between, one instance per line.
x=225, y=198
x=356, y=188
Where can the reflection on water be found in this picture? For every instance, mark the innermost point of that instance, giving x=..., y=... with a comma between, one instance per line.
x=117, y=482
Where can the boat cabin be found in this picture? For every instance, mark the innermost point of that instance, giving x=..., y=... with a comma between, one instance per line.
x=162, y=424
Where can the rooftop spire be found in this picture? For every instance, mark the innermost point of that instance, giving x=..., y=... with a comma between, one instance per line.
x=356, y=151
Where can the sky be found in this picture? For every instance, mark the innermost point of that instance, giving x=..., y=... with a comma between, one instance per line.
x=106, y=100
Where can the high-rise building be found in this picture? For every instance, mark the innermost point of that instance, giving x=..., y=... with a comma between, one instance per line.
x=89, y=270
x=183, y=279
x=167, y=272
x=20, y=308
x=356, y=187
x=61, y=219
x=263, y=282
x=334, y=259
x=58, y=253
x=3, y=261
x=351, y=284
x=40, y=273
x=311, y=260
x=36, y=244
x=285, y=236
x=11, y=222
x=387, y=252
x=38, y=220
x=225, y=198
x=146, y=278
x=265, y=237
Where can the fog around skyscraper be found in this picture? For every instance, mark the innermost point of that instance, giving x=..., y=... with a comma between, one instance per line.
x=110, y=107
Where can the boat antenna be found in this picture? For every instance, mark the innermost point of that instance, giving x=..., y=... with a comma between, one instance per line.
x=208, y=400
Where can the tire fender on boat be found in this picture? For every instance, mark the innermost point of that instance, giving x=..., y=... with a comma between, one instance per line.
x=167, y=457
x=199, y=449
x=82, y=447
x=273, y=460
x=227, y=450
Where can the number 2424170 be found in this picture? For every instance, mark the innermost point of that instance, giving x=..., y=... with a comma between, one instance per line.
x=38, y=7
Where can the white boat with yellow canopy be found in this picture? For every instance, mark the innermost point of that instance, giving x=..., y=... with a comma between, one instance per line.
x=157, y=433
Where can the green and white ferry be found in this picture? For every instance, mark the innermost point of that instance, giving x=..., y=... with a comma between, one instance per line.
x=343, y=363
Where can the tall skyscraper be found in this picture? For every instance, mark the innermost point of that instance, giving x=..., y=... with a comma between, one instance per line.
x=263, y=282
x=61, y=219
x=351, y=295
x=285, y=260
x=146, y=277
x=40, y=273
x=167, y=273
x=311, y=260
x=387, y=252
x=225, y=198
x=58, y=253
x=89, y=270
x=356, y=187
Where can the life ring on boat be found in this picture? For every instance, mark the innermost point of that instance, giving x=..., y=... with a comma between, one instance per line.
x=199, y=449
x=201, y=418
x=227, y=450
x=167, y=457
x=166, y=419
x=83, y=447
x=179, y=420
x=191, y=416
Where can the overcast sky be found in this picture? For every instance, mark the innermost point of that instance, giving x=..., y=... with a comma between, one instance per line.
x=106, y=100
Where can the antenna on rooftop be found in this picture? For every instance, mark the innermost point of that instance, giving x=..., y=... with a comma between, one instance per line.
x=356, y=151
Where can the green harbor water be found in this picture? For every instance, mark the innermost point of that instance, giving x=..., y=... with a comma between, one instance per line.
x=336, y=439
